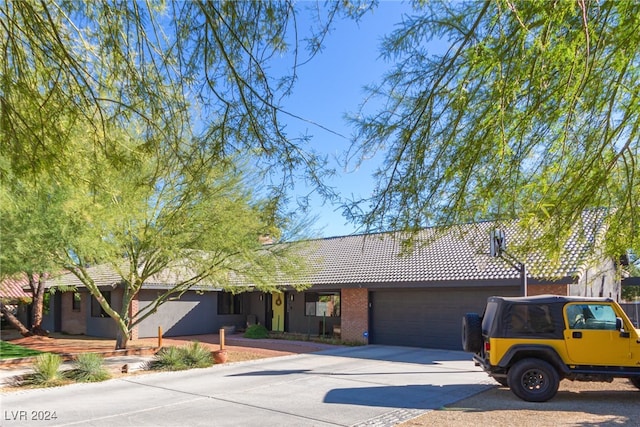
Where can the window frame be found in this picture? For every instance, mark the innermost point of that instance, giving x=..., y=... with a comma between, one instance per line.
x=76, y=301
x=314, y=302
x=230, y=303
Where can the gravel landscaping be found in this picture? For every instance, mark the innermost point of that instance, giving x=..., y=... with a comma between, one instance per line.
x=576, y=404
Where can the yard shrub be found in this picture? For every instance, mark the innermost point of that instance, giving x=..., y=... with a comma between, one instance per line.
x=256, y=332
x=189, y=356
x=167, y=359
x=196, y=356
x=46, y=371
x=89, y=367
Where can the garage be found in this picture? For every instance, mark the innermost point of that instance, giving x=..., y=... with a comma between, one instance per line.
x=425, y=317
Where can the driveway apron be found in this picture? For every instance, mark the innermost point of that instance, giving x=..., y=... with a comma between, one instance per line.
x=368, y=386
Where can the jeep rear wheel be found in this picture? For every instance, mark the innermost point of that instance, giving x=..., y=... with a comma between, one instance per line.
x=635, y=381
x=472, y=333
x=533, y=380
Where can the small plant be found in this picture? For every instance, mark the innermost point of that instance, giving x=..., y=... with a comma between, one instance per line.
x=256, y=332
x=196, y=356
x=89, y=367
x=167, y=359
x=179, y=358
x=46, y=371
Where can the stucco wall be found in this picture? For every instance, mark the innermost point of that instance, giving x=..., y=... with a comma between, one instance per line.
x=192, y=314
x=598, y=280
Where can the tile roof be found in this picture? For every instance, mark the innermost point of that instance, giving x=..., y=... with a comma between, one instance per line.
x=106, y=276
x=458, y=254
x=13, y=288
x=103, y=275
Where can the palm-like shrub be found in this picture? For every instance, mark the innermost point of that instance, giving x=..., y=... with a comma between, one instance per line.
x=46, y=371
x=190, y=356
x=89, y=367
x=196, y=356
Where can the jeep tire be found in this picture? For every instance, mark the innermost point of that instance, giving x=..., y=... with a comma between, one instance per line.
x=472, y=333
x=533, y=380
x=635, y=381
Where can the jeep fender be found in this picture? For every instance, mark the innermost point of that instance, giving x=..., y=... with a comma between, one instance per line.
x=544, y=352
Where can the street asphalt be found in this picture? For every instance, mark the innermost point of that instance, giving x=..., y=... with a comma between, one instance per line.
x=347, y=386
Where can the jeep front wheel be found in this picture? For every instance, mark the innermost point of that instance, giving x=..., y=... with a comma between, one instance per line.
x=472, y=333
x=635, y=381
x=533, y=380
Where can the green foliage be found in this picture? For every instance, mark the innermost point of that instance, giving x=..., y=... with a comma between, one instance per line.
x=73, y=76
x=168, y=359
x=197, y=356
x=189, y=356
x=46, y=371
x=89, y=367
x=256, y=332
x=11, y=351
x=531, y=111
x=631, y=293
x=106, y=155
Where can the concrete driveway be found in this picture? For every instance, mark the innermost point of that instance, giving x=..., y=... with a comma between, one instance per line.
x=369, y=385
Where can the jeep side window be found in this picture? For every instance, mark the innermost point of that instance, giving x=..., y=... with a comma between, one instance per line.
x=591, y=316
x=530, y=319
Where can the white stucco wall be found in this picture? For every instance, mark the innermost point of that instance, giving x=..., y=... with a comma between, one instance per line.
x=599, y=279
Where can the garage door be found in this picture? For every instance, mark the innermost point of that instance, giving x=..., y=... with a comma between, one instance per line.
x=425, y=318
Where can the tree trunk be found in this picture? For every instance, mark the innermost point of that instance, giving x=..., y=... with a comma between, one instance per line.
x=37, y=290
x=15, y=322
x=122, y=340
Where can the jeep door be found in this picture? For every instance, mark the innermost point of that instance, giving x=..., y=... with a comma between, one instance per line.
x=591, y=336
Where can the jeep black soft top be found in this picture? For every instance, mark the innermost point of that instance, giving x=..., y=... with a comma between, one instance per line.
x=543, y=313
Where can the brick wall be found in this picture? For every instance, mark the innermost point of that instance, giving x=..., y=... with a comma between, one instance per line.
x=74, y=322
x=354, y=315
x=550, y=288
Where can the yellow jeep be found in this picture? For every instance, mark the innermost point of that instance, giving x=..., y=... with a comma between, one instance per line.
x=531, y=343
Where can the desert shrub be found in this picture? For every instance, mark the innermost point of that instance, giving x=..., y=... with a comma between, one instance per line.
x=178, y=358
x=196, y=356
x=256, y=332
x=89, y=367
x=46, y=371
x=167, y=359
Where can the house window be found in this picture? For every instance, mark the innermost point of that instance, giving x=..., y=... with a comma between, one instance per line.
x=322, y=304
x=76, y=300
x=229, y=303
x=96, y=308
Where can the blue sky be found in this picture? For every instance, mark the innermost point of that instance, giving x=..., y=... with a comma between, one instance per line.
x=331, y=85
